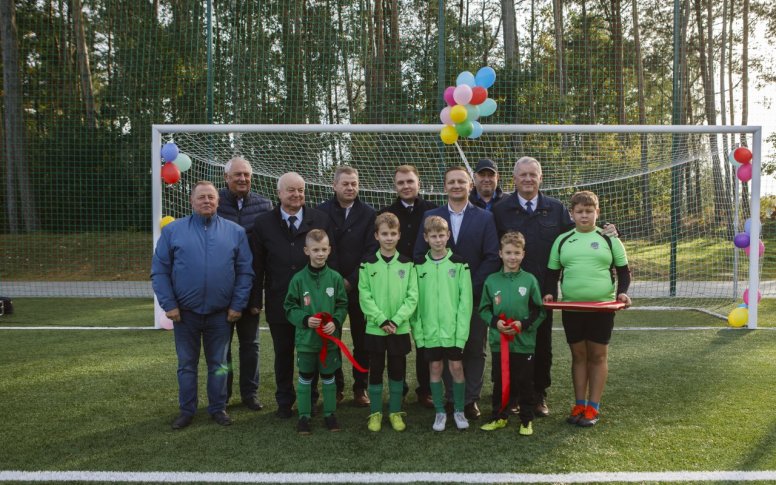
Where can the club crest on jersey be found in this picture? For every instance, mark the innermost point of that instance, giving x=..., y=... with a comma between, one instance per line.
x=306, y=298
x=522, y=290
x=594, y=245
x=497, y=298
x=402, y=273
x=330, y=291
x=451, y=272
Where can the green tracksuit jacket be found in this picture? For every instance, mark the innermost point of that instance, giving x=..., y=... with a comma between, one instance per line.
x=517, y=296
x=310, y=292
x=387, y=291
x=444, y=302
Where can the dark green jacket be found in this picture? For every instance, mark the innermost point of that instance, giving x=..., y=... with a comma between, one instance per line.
x=311, y=292
x=387, y=291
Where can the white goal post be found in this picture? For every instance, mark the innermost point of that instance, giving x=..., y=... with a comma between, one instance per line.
x=670, y=189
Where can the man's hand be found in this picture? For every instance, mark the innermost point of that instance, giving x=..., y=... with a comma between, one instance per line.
x=329, y=328
x=610, y=230
x=548, y=299
x=174, y=315
x=255, y=310
x=348, y=286
x=232, y=316
x=622, y=297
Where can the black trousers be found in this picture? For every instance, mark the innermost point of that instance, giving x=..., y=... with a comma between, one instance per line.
x=247, y=328
x=357, y=334
x=521, y=371
x=543, y=357
x=283, y=342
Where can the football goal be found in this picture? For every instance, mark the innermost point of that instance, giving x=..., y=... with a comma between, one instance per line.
x=672, y=191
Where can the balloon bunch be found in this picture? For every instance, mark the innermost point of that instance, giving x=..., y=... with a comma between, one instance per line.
x=175, y=163
x=743, y=156
x=467, y=102
x=740, y=315
x=743, y=240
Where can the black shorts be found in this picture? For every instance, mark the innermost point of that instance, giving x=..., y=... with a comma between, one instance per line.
x=593, y=326
x=390, y=344
x=435, y=354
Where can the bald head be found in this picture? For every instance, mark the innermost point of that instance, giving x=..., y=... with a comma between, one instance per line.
x=291, y=192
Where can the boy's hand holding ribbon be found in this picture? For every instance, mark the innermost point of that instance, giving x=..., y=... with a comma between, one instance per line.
x=324, y=326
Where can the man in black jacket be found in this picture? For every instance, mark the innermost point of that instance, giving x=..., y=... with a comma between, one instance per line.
x=353, y=225
x=409, y=207
x=238, y=204
x=486, y=192
x=277, y=241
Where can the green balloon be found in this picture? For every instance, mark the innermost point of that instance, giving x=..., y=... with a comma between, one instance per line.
x=183, y=162
x=465, y=128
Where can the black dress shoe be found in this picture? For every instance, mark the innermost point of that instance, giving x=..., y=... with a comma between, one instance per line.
x=471, y=411
x=284, y=412
x=541, y=410
x=253, y=403
x=425, y=400
x=221, y=418
x=182, y=421
x=361, y=398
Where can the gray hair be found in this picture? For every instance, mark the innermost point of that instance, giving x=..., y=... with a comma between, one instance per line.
x=286, y=176
x=524, y=160
x=229, y=164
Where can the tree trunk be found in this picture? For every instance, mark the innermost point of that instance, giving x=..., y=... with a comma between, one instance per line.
x=84, y=72
x=619, y=83
x=722, y=102
x=745, y=95
x=645, y=196
x=557, y=11
x=510, y=34
x=589, y=64
x=345, y=64
x=394, y=52
x=293, y=67
x=379, y=63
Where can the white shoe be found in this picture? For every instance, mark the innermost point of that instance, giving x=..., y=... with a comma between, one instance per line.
x=460, y=420
x=440, y=421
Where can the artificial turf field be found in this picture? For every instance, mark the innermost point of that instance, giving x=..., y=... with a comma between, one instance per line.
x=685, y=394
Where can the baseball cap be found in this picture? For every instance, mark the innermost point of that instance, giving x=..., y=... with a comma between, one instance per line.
x=486, y=164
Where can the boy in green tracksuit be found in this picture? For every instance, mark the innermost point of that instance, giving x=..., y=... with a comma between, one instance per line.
x=512, y=294
x=316, y=298
x=388, y=294
x=441, y=323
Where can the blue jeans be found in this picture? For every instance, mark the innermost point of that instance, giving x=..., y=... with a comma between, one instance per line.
x=213, y=331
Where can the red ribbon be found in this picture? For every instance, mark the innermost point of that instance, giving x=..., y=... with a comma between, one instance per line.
x=505, y=339
x=325, y=319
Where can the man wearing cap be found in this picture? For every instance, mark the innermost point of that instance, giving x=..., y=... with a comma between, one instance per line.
x=486, y=192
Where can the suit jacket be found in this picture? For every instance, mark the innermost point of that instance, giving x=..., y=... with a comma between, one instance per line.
x=277, y=256
x=410, y=223
x=354, y=237
x=477, y=243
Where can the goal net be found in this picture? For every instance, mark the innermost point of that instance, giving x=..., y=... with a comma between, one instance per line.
x=671, y=191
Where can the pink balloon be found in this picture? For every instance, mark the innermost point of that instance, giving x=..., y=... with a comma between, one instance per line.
x=462, y=94
x=744, y=172
x=746, y=296
x=748, y=249
x=449, y=95
x=444, y=115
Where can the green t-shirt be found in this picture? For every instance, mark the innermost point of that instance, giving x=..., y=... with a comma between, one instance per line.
x=586, y=261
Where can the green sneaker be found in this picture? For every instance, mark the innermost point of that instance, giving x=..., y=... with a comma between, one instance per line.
x=526, y=429
x=494, y=424
x=397, y=423
x=375, y=422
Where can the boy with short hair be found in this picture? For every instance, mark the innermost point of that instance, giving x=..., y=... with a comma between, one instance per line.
x=589, y=261
x=316, y=302
x=441, y=324
x=512, y=305
x=388, y=294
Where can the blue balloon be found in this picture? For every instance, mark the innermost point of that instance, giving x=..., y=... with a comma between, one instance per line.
x=743, y=305
x=472, y=112
x=488, y=107
x=748, y=226
x=465, y=78
x=485, y=77
x=741, y=240
x=169, y=152
x=476, y=130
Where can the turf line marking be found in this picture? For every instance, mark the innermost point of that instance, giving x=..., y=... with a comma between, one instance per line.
x=556, y=329
x=422, y=477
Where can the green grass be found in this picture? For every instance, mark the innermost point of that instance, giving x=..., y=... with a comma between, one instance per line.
x=91, y=400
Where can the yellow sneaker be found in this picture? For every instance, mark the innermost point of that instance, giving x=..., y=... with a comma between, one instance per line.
x=494, y=424
x=375, y=422
x=397, y=423
x=526, y=429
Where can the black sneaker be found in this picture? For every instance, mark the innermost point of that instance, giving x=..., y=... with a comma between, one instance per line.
x=221, y=418
x=252, y=403
x=182, y=421
x=303, y=425
x=284, y=412
x=331, y=423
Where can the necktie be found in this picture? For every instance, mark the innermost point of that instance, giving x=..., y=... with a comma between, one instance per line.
x=528, y=208
x=410, y=208
x=292, y=225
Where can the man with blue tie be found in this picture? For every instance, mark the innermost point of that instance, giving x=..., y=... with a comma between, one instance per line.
x=475, y=239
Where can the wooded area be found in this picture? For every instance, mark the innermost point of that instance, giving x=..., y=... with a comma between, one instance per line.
x=83, y=80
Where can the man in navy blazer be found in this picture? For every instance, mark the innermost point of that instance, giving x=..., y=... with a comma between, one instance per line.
x=475, y=239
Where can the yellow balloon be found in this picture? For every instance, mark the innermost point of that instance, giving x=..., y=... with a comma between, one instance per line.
x=166, y=220
x=449, y=135
x=738, y=317
x=458, y=113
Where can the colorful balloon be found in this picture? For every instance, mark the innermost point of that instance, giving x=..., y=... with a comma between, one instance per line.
x=761, y=251
x=170, y=173
x=183, y=162
x=748, y=226
x=462, y=94
x=488, y=107
x=741, y=240
x=476, y=130
x=169, y=152
x=742, y=155
x=746, y=296
x=472, y=112
x=485, y=77
x=479, y=94
x=738, y=317
x=732, y=158
x=465, y=128
x=165, y=220
x=448, y=135
x=466, y=78
x=744, y=173
x=458, y=113
x=444, y=115
x=449, y=95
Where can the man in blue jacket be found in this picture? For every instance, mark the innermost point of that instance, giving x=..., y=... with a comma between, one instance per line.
x=474, y=238
x=201, y=274
x=238, y=204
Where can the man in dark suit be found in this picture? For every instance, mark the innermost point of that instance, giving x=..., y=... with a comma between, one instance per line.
x=353, y=225
x=409, y=207
x=474, y=238
x=277, y=242
x=486, y=192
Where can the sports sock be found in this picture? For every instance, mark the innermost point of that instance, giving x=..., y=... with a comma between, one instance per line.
x=376, y=398
x=303, y=396
x=329, y=396
x=436, y=396
x=459, y=388
x=395, y=395
x=594, y=405
x=581, y=402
